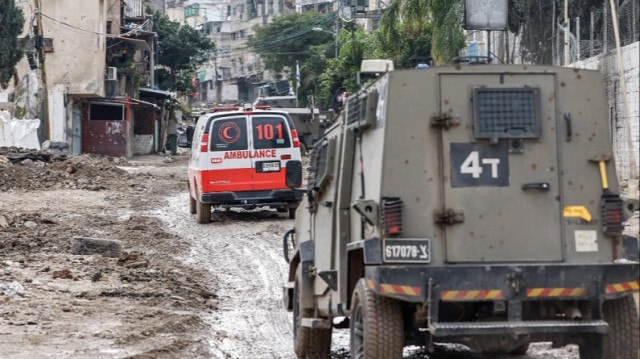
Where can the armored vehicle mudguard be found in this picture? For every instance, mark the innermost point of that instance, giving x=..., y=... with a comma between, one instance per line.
x=470, y=205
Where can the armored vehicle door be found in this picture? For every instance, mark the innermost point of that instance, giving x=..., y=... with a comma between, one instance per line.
x=323, y=220
x=500, y=172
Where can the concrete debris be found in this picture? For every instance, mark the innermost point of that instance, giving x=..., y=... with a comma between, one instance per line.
x=22, y=169
x=105, y=247
x=56, y=147
x=11, y=289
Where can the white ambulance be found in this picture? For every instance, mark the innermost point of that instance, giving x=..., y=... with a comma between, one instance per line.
x=244, y=157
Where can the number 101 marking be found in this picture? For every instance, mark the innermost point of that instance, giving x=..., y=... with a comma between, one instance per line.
x=472, y=165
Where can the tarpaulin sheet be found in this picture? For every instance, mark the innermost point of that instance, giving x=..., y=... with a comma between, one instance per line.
x=19, y=133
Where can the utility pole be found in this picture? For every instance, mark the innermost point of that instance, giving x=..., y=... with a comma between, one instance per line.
x=337, y=27
x=578, y=37
x=566, y=32
x=489, y=46
x=554, y=37
x=605, y=37
x=591, y=34
x=43, y=74
x=152, y=60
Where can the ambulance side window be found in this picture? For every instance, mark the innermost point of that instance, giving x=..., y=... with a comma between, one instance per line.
x=270, y=132
x=229, y=134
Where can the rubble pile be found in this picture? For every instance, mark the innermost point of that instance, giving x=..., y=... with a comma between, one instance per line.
x=36, y=170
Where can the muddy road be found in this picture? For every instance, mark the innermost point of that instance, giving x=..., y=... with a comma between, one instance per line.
x=176, y=289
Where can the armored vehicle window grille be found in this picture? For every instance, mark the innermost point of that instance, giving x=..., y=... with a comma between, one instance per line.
x=506, y=112
x=353, y=109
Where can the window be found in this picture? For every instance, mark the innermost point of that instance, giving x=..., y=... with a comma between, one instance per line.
x=270, y=132
x=191, y=10
x=506, y=112
x=106, y=112
x=229, y=134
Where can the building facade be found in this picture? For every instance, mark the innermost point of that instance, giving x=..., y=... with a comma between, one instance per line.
x=89, y=59
x=232, y=72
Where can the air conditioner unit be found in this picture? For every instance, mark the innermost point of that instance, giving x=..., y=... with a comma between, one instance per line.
x=112, y=74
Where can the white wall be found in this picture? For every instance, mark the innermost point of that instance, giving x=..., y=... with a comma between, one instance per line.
x=608, y=66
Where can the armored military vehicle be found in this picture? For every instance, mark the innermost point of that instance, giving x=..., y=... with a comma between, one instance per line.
x=466, y=204
x=310, y=122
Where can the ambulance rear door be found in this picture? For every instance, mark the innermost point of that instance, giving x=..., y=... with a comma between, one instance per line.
x=229, y=164
x=272, y=147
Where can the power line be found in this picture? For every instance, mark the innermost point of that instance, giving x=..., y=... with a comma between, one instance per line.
x=69, y=25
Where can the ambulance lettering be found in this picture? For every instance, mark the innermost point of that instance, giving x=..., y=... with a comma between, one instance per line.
x=237, y=155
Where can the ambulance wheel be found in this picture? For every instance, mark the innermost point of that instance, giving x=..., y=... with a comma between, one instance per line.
x=292, y=213
x=192, y=205
x=203, y=212
x=308, y=343
x=376, y=325
x=622, y=339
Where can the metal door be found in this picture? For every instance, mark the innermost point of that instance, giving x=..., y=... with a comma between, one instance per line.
x=227, y=164
x=271, y=148
x=501, y=175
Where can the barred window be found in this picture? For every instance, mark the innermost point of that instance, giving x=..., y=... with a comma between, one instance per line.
x=506, y=112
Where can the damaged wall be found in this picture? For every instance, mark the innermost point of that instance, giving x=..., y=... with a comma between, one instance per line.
x=608, y=66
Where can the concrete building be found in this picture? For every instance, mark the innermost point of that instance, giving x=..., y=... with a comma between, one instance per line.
x=92, y=58
x=232, y=72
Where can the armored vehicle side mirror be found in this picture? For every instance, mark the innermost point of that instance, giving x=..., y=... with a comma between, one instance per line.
x=293, y=174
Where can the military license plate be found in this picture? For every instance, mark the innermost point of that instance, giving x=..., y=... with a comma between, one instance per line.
x=414, y=250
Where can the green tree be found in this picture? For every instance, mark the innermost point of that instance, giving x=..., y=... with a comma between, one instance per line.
x=289, y=38
x=416, y=27
x=341, y=73
x=11, y=47
x=182, y=50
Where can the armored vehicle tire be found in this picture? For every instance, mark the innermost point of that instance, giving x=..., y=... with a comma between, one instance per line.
x=203, y=212
x=192, y=205
x=376, y=325
x=307, y=342
x=622, y=339
x=521, y=349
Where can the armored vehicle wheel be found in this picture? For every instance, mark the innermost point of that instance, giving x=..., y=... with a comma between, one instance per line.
x=192, y=205
x=521, y=349
x=377, y=328
x=203, y=212
x=622, y=339
x=307, y=342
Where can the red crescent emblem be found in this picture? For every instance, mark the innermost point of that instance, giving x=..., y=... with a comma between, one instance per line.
x=225, y=133
x=229, y=137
